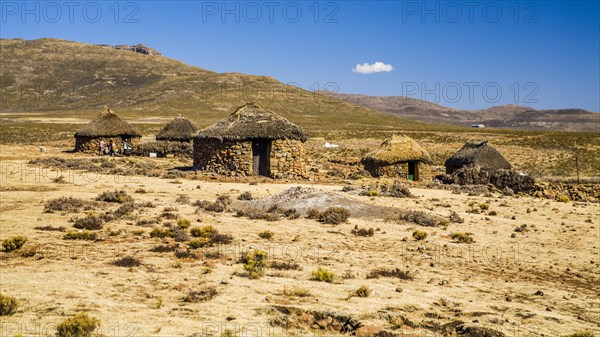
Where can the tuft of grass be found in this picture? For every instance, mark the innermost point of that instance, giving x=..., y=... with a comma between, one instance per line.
x=228, y=333
x=484, y=207
x=183, y=223
x=114, y=196
x=419, y=235
x=334, y=215
x=296, y=292
x=14, y=243
x=563, y=198
x=362, y=291
x=255, y=262
x=201, y=295
x=8, y=305
x=267, y=235
x=462, y=237
x=285, y=265
x=80, y=325
x=127, y=261
x=323, y=275
x=396, y=273
x=245, y=196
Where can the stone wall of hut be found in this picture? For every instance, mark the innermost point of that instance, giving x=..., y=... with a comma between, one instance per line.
x=399, y=170
x=92, y=144
x=234, y=158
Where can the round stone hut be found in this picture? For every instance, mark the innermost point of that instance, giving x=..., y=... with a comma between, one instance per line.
x=107, y=128
x=180, y=129
x=477, y=153
x=399, y=157
x=252, y=141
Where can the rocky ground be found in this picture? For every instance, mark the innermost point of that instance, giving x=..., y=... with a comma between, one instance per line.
x=490, y=265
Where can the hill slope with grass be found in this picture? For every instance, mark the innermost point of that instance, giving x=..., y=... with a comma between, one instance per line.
x=504, y=116
x=64, y=77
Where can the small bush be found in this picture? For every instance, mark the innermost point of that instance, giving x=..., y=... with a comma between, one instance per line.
x=273, y=217
x=334, y=215
x=13, y=243
x=80, y=325
x=228, y=333
x=204, y=232
x=363, y=231
x=255, y=262
x=199, y=243
x=313, y=213
x=50, y=228
x=114, y=196
x=245, y=196
x=373, y=193
x=362, y=291
x=419, y=235
x=396, y=273
x=267, y=235
x=399, y=191
x=216, y=207
x=296, y=292
x=66, y=204
x=183, y=223
x=323, y=275
x=291, y=214
x=163, y=248
x=462, y=237
x=157, y=232
x=563, y=198
x=454, y=217
x=8, y=305
x=90, y=222
x=83, y=235
x=484, y=207
x=285, y=265
x=423, y=219
x=219, y=238
x=182, y=199
x=127, y=261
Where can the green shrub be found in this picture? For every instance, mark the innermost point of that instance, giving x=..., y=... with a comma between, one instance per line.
x=484, y=207
x=255, y=262
x=199, y=243
x=323, y=275
x=362, y=291
x=228, y=333
x=462, y=237
x=204, y=232
x=80, y=325
x=267, y=235
x=114, y=196
x=13, y=243
x=296, y=292
x=157, y=232
x=373, y=193
x=183, y=223
x=8, y=305
x=419, y=235
x=563, y=198
x=83, y=235
x=334, y=215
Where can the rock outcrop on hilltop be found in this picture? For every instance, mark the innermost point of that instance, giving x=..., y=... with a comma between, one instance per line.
x=139, y=48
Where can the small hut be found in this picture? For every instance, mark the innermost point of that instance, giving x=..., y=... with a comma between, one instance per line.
x=477, y=153
x=252, y=141
x=179, y=129
x=399, y=157
x=106, y=129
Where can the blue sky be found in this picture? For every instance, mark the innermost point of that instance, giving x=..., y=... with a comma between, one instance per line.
x=466, y=55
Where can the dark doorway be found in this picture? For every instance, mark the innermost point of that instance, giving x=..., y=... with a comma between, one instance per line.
x=412, y=171
x=261, y=157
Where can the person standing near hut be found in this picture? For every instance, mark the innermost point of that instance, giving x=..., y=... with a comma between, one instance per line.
x=101, y=148
x=112, y=147
x=126, y=148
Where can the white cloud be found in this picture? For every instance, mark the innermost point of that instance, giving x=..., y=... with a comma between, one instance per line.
x=377, y=67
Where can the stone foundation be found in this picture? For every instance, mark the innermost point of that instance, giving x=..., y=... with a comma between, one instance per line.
x=400, y=170
x=92, y=144
x=234, y=158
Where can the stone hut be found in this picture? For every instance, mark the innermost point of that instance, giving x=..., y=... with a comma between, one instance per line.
x=399, y=157
x=252, y=141
x=179, y=129
x=477, y=153
x=108, y=128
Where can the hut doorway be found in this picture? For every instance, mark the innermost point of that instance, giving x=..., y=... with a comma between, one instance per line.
x=261, y=157
x=413, y=172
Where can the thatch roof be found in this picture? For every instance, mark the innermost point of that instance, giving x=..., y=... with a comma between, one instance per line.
x=251, y=121
x=108, y=124
x=479, y=153
x=179, y=128
x=397, y=149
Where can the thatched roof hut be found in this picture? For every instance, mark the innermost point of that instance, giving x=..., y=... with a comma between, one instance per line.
x=397, y=149
x=477, y=153
x=251, y=121
x=179, y=129
x=401, y=157
x=108, y=124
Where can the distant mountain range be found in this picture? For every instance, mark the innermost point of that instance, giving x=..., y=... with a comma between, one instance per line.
x=503, y=116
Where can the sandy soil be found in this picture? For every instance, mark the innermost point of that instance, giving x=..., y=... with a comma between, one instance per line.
x=491, y=283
